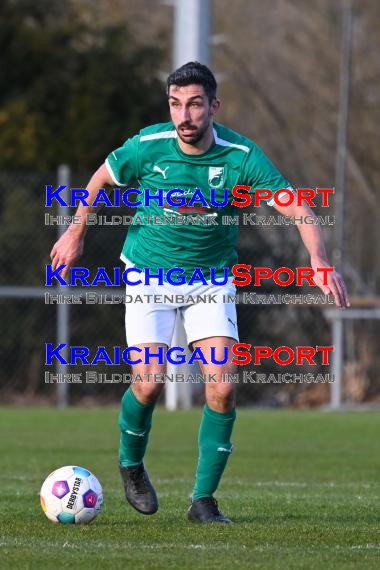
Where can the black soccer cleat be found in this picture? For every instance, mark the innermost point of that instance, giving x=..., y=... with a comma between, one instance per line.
x=206, y=510
x=139, y=491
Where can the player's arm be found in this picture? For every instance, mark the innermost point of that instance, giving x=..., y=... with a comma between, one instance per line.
x=69, y=247
x=312, y=238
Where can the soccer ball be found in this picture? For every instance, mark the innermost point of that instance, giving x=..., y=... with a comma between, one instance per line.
x=71, y=495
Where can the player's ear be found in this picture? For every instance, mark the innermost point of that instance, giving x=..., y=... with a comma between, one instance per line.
x=214, y=106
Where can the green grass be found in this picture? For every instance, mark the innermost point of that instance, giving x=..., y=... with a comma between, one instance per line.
x=302, y=488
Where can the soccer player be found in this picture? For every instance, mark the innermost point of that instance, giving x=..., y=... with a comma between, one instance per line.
x=190, y=152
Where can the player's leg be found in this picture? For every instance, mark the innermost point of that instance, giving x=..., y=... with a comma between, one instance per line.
x=214, y=325
x=149, y=328
x=135, y=423
x=215, y=430
x=137, y=407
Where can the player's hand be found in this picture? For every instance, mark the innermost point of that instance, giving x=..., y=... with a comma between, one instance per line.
x=67, y=251
x=335, y=283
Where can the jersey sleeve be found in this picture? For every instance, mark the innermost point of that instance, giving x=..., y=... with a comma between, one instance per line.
x=259, y=172
x=122, y=163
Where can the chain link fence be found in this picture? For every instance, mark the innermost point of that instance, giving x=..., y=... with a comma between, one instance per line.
x=28, y=323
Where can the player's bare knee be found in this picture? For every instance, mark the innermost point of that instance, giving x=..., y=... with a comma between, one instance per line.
x=148, y=384
x=221, y=397
x=146, y=393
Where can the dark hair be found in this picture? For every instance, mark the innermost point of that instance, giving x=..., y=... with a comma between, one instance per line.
x=193, y=72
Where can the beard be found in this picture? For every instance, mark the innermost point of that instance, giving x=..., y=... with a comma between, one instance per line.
x=196, y=135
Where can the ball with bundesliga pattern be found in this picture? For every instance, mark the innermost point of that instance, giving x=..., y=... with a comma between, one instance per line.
x=71, y=495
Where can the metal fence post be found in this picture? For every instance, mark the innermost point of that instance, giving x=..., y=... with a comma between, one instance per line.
x=173, y=394
x=63, y=314
x=340, y=187
x=192, y=22
x=337, y=361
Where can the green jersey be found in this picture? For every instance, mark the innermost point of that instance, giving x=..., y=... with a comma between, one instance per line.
x=154, y=158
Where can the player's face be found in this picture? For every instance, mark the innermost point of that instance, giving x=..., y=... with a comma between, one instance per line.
x=191, y=112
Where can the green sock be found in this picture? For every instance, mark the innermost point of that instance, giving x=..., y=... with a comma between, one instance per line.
x=135, y=421
x=214, y=450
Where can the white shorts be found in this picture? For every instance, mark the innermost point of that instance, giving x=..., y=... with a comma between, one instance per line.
x=147, y=322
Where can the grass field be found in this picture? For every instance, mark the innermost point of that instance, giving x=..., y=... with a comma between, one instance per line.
x=302, y=487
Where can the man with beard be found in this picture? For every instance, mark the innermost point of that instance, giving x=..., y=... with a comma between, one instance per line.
x=190, y=152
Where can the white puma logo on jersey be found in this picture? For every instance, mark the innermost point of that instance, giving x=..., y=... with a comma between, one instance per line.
x=158, y=169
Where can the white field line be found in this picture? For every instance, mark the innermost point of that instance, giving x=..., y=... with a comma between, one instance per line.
x=17, y=542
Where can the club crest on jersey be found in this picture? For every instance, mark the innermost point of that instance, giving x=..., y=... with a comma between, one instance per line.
x=216, y=176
